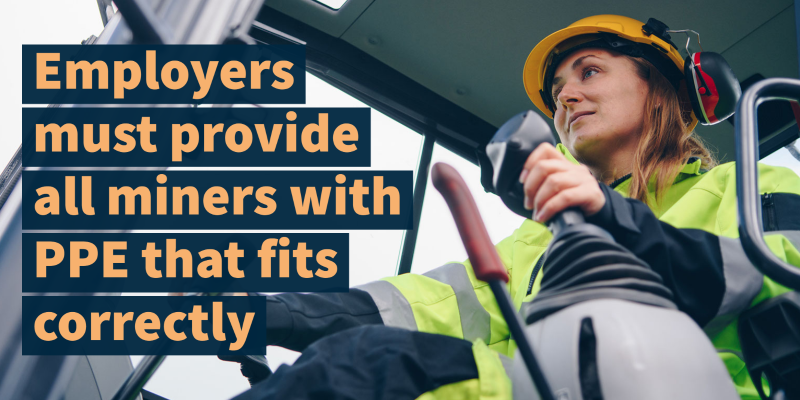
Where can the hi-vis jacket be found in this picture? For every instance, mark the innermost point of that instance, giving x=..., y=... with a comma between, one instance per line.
x=691, y=239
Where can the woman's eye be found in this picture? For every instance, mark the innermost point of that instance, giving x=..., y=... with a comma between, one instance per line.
x=586, y=73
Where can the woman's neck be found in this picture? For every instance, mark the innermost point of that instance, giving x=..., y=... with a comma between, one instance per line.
x=611, y=168
x=607, y=167
x=607, y=177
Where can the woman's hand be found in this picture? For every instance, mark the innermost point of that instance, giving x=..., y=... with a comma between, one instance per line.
x=552, y=184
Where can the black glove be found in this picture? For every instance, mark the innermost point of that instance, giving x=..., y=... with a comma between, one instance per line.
x=254, y=368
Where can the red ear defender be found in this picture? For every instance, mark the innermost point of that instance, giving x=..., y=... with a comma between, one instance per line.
x=713, y=88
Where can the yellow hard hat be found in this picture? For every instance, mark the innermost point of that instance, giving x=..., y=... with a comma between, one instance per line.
x=625, y=35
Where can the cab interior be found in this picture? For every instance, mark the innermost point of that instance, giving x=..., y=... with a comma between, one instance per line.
x=450, y=71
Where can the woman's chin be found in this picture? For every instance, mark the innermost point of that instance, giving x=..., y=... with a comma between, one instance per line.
x=588, y=149
x=583, y=140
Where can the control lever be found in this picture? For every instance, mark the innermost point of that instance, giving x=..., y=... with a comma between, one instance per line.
x=486, y=262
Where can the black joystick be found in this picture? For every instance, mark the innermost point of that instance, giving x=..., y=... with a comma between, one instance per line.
x=508, y=150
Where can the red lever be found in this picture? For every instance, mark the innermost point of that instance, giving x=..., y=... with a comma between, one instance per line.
x=482, y=254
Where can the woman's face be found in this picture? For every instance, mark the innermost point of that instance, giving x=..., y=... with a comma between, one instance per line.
x=600, y=102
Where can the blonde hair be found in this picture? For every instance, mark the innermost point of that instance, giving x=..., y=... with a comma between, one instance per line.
x=666, y=142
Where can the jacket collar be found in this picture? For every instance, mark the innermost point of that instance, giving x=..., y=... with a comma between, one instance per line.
x=692, y=168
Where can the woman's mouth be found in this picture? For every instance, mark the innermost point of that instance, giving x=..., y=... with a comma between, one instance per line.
x=578, y=116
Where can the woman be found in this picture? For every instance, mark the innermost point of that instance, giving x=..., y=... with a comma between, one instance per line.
x=620, y=110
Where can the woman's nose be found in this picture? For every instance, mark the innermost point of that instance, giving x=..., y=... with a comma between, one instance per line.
x=569, y=94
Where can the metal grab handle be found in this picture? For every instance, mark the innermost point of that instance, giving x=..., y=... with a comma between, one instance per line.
x=747, y=191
